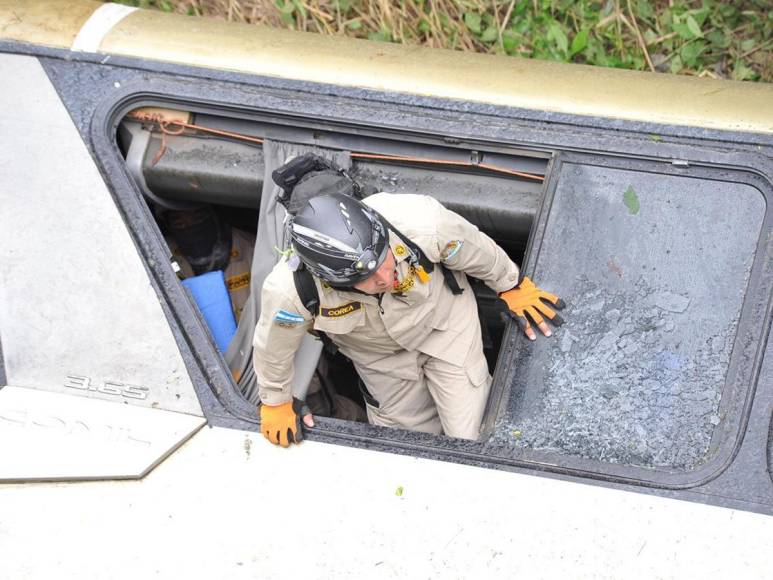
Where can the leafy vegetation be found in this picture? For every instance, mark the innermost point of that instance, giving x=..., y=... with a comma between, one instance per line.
x=697, y=37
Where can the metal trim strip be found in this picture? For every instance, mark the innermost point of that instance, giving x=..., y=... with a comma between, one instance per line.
x=99, y=25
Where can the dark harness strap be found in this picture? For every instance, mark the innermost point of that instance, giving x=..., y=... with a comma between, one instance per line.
x=451, y=282
x=307, y=292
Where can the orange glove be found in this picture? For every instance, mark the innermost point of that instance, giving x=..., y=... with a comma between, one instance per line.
x=281, y=424
x=526, y=298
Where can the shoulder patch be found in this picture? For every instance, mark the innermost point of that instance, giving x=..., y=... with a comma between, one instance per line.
x=451, y=249
x=342, y=310
x=288, y=319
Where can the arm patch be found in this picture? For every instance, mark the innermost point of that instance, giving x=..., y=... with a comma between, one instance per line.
x=288, y=319
x=451, y=249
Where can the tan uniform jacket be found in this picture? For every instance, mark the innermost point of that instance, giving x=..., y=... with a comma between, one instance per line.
x=373, y=331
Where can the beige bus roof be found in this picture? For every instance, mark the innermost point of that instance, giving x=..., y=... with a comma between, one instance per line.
x=497, y=80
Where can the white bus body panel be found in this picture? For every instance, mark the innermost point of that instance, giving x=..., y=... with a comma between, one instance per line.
x=55, y=436
x=99, y=386
x=76, y=304
x=229, y=504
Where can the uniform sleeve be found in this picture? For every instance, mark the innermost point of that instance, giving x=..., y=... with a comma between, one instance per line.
x=462, y=246
x=282, y=325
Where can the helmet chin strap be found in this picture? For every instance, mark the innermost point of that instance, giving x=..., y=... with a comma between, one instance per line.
x=347, y=289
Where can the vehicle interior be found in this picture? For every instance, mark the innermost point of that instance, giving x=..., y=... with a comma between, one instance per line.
x=202, y=176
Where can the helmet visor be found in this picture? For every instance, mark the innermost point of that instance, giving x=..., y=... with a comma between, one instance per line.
x=340, y=263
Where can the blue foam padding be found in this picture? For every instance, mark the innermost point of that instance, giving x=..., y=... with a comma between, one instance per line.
x=211, y=294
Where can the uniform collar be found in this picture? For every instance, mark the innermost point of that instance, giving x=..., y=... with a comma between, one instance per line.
x=399, y=249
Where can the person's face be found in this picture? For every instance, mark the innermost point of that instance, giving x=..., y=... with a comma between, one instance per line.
x=382, y=279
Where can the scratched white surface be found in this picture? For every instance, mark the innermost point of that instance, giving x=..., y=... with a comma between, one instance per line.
x=230, y=505
x=75, y=299
x=53, y=436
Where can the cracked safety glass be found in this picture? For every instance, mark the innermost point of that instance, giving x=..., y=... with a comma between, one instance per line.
x=655, y=269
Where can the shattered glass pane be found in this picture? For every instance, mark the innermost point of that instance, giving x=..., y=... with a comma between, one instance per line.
x=654, y=269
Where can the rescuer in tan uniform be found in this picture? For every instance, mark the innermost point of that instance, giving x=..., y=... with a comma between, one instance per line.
x=414, y=338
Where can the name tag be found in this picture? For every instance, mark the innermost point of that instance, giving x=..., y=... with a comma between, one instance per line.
x=341, y=310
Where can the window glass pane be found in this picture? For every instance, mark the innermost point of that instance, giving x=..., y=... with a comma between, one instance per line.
x=654, y=269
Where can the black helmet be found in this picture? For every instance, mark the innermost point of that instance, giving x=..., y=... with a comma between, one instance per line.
x=339, y=238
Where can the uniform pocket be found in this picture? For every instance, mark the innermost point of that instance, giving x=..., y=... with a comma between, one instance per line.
x=477, y=372
x=441, y=320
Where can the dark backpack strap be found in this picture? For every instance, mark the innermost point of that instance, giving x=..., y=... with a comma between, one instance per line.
x=307, y=292
x=451, y=282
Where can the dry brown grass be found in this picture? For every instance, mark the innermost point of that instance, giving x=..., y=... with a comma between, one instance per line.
x=699, y=37
x=434, y=23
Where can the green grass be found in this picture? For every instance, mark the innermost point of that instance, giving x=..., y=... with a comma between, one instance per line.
x=700, y=37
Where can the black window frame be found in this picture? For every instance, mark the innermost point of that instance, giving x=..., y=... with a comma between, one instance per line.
x=748, y=346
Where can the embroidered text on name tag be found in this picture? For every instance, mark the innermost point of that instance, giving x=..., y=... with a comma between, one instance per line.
x=342, y=310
